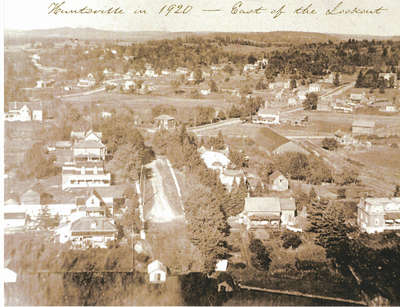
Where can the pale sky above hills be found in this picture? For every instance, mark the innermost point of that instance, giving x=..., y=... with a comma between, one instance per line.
x=33, y=14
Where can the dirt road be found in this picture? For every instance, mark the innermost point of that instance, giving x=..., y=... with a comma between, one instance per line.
x=166, y=204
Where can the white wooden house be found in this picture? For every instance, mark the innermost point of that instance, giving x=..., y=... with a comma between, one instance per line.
x=157, y=272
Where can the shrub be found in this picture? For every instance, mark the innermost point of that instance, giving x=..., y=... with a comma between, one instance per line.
x=291, y=240
x=261, y=257
x=329, y=143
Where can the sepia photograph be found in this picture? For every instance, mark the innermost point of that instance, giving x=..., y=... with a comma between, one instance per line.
x=201, y=153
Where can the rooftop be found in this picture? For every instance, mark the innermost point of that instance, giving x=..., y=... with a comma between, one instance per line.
x=262, y=204
x=89, y=144
x=275, y=175
x=164, y=117
x=33, y=105
x=155, y=266
x=93, y=224
x=288, y=204
x=271, y=140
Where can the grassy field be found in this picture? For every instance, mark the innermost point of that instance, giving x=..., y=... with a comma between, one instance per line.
x=116, y=100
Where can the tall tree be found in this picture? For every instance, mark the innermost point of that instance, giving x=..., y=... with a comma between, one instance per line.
x=207, y=225
x=360, y=80
x=311, y=101
x=37, y=163
x=397, y=191
x=333, y=232
x=293, y=83
x=336, y=80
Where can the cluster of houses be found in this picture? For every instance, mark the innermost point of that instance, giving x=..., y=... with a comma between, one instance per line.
x=353, y=101
x=85, y=220
x=259, y=211
x=259, y=64
x=87, y=209
x=24, y=112
x=86, y=168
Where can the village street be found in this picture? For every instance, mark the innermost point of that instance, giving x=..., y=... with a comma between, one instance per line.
x=165, y=222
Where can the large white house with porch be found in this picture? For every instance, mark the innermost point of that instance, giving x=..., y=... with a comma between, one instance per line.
x=88, y=146
x=268, y=212
x=379, y=214
x=84, y=175
x=88, y=232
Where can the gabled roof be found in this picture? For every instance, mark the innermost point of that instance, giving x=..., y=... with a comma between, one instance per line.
x=262, y=204
x=114, y=191
x=155, y=266
x=210, y=157
x=275, y=175
x=32, y=105
x=81, y=201
x=221, y=265
x=273, y=140
x=89, y=144
x=83, y=134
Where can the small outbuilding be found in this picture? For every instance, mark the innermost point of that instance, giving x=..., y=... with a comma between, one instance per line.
x=157, y=272
x=165, y=121
x=278, y=181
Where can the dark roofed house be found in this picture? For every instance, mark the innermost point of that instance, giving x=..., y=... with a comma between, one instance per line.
x=363, y=127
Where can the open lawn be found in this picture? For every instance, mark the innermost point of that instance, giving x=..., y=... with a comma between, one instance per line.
x=117, y=100
x=171, y=245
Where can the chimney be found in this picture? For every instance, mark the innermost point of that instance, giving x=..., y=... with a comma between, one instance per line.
x=95, y=170
x=83, y=171
x=93, y=225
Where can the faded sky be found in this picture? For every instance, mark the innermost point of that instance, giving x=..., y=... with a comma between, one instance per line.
x=32, y=14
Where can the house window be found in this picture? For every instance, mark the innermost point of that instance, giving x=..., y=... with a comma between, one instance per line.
x=158, y=277
x=376, y=221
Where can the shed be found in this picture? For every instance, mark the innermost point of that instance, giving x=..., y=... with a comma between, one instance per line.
x=165, y=121
x=278, y=181
x=157, y=272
